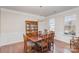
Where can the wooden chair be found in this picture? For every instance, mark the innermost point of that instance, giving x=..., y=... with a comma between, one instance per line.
x=52, y=35
x=34, y=34
x=51, y=39
x=26, y=47
x=40, y=33
x=45, y=31
x=74, y=44
x=43, y=45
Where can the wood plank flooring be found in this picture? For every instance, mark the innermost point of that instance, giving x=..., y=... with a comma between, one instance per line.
x=59, y=47
x=13, y=48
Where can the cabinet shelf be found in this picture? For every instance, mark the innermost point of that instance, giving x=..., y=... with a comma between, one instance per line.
x=31, y=26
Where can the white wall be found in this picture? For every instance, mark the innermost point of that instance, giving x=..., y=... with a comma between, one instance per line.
x=13, y=25
x=59, y=19
x=0, y=20
x=0, y=23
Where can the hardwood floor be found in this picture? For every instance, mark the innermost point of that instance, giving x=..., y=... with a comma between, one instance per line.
x=59, y=47
x=13, y=48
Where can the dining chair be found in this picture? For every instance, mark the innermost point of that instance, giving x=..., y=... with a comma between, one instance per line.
x=28, y=45
x=43, y=45
x=27, y=48
x=40, y=33
x=51, y=40
x=74, y=44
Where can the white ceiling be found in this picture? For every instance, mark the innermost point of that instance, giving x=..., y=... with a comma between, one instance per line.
x=42, y=11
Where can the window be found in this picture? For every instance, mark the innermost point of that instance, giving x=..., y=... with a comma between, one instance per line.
x=52, y=24
x=69, y=27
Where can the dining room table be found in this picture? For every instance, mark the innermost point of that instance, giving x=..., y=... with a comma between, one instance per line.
x=35, y=39
x=38, y=38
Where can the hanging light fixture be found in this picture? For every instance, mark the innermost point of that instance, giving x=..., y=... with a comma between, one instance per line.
x=41, y=6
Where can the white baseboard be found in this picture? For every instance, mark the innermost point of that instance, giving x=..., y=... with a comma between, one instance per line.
x=10, y=38
x=13, y=42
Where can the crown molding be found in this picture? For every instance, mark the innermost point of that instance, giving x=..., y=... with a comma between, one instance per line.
x=64, y=12
x=19, y=12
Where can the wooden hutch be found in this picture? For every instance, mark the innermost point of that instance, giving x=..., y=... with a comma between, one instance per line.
x=31, y=27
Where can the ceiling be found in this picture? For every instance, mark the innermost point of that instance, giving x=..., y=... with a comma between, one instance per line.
x=40, y=10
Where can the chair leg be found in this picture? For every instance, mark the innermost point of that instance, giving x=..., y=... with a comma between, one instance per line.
x=25, y=50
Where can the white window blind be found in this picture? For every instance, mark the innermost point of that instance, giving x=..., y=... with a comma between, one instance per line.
x=69, y=27
x=52, y=24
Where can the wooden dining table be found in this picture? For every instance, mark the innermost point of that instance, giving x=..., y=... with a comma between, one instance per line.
x=35, y=39
x=38, y=38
